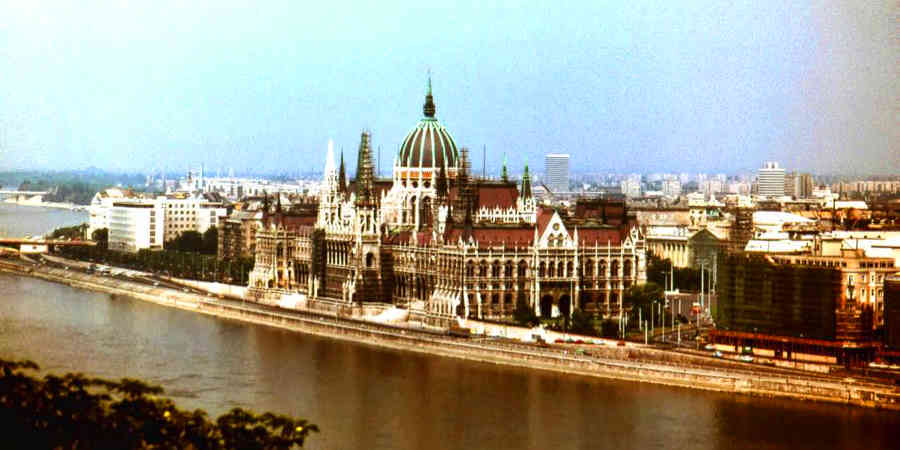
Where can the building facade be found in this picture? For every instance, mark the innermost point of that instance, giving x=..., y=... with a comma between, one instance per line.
x=445, y=245
x=557, y=172
x=136, y=225
x=771, y=180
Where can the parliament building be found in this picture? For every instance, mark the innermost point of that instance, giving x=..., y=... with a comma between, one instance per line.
x=444, y=244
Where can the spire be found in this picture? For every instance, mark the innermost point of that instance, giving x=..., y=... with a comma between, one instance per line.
x=441, y=183
x=463, y=188
x=329, y=160
x=429, y=108
x=365, y=178
x=342, y=176
x=278, y=202
x=503, y=175
x=526, y=183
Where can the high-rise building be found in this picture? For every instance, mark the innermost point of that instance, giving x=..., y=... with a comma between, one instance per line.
x=771, y=180
x=557, y=172
x=798, y=185
x=671, y=187
x=136, y=224
x=631, y=186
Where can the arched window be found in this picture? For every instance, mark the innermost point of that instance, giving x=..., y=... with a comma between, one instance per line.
x=627, y=268
x=589, y=268
x=560, y=270
x=470, y=269
x=569, y=269
x=614, y=269
x=483, y=270
x=601, y=268
x=370, y=259
x=523, y=268
x=495, y=269
x=508, y=269
x=542, y=268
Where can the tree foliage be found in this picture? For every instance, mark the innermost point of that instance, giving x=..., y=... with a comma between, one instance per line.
x=583, y=323
x=187, y=241
x=75, y=411
x=641, y=295
x=75, y=232
x=101, y=237
x=524, y=314
x=686, y=278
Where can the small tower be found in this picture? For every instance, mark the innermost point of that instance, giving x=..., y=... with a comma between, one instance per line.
x=428, y=109
x=526, y=183
x=365, y=176
x=342, y=176
x=503, y=175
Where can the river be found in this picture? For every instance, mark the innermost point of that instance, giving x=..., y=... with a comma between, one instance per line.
x=18, y=220
x=365, y=397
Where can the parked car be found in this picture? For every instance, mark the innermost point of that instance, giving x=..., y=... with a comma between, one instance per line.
x=710, y=347
x=717, y=354
x=746, y=358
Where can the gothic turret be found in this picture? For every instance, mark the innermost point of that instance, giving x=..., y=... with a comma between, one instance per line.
x=526, y=183
x=365, y=176
x=342, y=176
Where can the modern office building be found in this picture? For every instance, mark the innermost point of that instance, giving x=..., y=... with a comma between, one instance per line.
x=136, y=224
x=771, y=180
x=557, y=172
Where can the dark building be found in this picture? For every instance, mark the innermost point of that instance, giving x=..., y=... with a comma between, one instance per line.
x=892, y=313
x=788, y=310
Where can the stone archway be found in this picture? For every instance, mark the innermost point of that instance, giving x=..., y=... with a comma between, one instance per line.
x=546, y=306
x=565, y=305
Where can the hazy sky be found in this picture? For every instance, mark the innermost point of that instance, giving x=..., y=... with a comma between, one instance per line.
x=682, y=86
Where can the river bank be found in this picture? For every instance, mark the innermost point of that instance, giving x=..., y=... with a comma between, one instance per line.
x=43, y=204
x=625, y=363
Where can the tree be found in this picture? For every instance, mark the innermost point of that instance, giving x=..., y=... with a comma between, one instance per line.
x=609, y=328
x=101, y=237
x=210, y=241
x=583, y=323
x=74, y=411
x=188, y=241
x=524, y=315
x=642, y=295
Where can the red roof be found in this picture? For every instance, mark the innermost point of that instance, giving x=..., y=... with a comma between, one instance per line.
x=493, y=196
x=509, y=236
x=543, y=219
x=589, y=236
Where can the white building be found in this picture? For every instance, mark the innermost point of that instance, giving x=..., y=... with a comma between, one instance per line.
x=671, y=187
x=101, y=205
x=771, y=180
x=631, y=186
x=557, y=172
x=191, y=212
x=136, y=224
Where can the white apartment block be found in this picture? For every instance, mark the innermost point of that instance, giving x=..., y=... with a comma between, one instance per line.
x=671, y=187
x=631, y=186
x=557, y=172
x=191, y=212
x=136, y=224
x=771, y=180
x=102, y=204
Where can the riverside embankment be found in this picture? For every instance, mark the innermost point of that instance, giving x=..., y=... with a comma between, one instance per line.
x=634, y=363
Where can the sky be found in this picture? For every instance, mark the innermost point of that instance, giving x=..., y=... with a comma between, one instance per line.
x=637, y=86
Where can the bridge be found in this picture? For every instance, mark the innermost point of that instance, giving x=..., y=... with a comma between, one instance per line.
x=39, y=245
x=32, y=193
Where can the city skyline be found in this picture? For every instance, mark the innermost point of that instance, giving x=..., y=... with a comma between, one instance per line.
x=689, y=90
